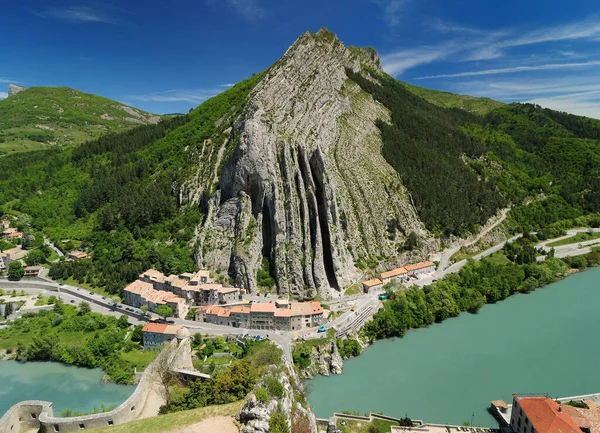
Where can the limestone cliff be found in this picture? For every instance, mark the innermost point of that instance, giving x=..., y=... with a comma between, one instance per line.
x=13, y=89
x=306, y=185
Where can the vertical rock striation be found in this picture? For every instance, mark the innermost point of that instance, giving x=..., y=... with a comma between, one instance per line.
x=307, y=186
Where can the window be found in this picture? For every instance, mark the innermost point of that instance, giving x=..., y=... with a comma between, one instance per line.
x=33, y=416
x=132, y=408
x=110, y=422
x=56, y=427
x=81, y=427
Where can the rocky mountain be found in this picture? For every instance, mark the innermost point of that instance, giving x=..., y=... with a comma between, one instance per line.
x=307, y=186
x=305, y=178
x=13, y=89
x=38, y=117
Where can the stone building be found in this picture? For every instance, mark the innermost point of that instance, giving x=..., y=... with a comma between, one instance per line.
x=283, y=316
x=417, y=269
x=155, y=334
x=372, y=285
x=540, y=415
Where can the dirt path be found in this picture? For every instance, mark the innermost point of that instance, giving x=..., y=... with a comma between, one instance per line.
x=449, y=252
x=221, y=424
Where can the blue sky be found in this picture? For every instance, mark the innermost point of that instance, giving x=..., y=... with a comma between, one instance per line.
x=170, y=56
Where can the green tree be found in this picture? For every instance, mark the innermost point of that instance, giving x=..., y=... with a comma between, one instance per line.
x=84, y=308
x=35, y=257
x=137, y=334
x=15, y=270
x=123, y=321
x=164, y=311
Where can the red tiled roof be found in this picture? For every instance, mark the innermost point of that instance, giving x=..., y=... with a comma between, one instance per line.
x=138, y=287
x=393, y=273
x=160, y=328
x=417, y=266
x=262, y=308
x=546, y=415
x=283, y=312
x=373, y=282
x=240, y=309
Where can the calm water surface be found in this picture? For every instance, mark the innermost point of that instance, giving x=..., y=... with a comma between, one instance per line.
x=543, y=342
x=65, y=386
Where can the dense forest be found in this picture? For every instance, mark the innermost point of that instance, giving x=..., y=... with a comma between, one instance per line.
x=117, y=195
x=460, y=168
x=425, y=144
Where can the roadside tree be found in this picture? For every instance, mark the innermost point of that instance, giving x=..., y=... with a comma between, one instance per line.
x=15, y=270
x=164, y=311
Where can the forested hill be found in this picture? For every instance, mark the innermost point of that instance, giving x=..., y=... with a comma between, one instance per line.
x=40, y=117
x=153, y=196
x=461, y=167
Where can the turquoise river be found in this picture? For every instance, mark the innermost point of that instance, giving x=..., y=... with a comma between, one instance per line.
x=67, y=387
x=543, y=342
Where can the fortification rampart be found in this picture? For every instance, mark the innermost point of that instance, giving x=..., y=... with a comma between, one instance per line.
x=39, y=414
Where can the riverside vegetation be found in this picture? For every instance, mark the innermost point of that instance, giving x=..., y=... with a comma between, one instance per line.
x=78, y=336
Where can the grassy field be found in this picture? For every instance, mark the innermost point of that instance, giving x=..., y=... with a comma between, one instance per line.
x=363, y=427
x=579, y=237
x=353, y=290
x=45, y=117
x=498, y=259
x=452, y=100
x=165, y=423
x=141, y=358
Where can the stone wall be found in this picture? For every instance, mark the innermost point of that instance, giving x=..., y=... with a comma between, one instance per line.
x=21, y=417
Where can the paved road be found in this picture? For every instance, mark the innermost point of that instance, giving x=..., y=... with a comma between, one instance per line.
x=445, y=255
x=53, y=247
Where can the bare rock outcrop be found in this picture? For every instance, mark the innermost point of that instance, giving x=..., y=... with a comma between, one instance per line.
x=13, y=89
x=306, y=185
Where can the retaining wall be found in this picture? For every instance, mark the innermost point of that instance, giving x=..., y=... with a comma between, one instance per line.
x=39, y=414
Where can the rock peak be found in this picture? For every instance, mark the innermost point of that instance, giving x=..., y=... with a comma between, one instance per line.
x=13, y=89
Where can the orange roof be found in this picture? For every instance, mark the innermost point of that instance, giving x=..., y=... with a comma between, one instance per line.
x=160, y=328
x=546, y=415
x=223, y=312
x=203, y=308
x=420, y=265
x=262, y=308
x=79, y=254
x=283, y=312
x=213, y=309
x=306, y=308
x=211, y=286
x=240, y=309
x=138, y=287
x=500, y=403
x=153, y=274
x=393, y=273
x=373, y=282
x=228, y=289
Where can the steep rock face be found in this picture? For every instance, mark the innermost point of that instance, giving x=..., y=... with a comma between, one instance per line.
x=13, y=89
x=307, y=186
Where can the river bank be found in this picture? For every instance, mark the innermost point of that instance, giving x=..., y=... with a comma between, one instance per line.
x=449, y=371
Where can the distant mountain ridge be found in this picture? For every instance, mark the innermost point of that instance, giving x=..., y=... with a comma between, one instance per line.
x=38, y=117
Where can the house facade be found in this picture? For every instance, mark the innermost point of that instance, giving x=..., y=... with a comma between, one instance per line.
x=393, y=275
x=155, y=334
x=540, y=414
x=372, y=285
x=417, y=269
x=290, y=317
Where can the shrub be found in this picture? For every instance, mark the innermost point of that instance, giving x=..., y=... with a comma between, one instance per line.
x=262, y=395
x=274, y=387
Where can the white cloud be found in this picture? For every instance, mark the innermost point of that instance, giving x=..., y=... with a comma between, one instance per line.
x=193, y=96
x=465, y=44
x=8, y=81
x=92, y=13
x=250, y=10
x=515, y=69
x=584, y=103
x=391, y=10
x=3, y=95
x=227, y=85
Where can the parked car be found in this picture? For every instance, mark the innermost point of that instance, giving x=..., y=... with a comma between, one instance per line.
x=72, y=301
x=91, y=293
x=322, y=328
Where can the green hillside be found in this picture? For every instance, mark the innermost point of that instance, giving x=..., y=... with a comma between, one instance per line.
x=41, y=117
x=123, y=196
x=452, y=100
x=116, y=195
